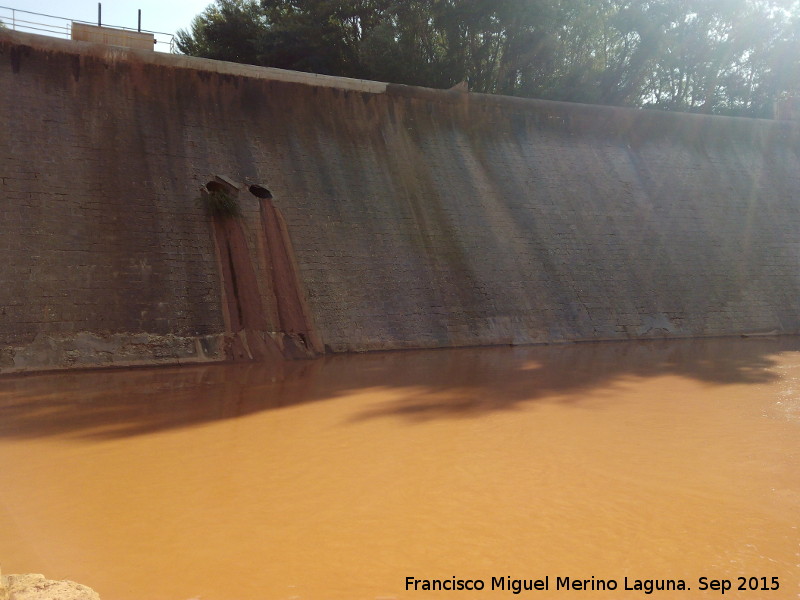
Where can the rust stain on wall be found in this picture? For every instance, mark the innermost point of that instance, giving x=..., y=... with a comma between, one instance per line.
x=298, y=337
x=401, y=218
x=252, y=334
x=244, y=309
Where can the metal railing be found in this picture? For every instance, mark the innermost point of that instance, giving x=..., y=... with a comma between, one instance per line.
x=33, y=22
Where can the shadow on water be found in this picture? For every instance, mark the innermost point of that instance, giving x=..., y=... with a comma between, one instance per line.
x=429, y=384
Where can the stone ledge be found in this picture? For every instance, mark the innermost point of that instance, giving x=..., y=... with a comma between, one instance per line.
x=91, y=350
x=113, y=54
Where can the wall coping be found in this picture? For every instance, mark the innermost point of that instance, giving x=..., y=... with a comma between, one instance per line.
x=579, y=117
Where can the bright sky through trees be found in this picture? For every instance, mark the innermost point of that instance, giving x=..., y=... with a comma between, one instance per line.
x=734, y=57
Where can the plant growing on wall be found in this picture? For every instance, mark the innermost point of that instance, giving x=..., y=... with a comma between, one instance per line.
x=219, y=203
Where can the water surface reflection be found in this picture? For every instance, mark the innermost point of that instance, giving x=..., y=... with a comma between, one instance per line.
x=440, y=383
x=339, y=478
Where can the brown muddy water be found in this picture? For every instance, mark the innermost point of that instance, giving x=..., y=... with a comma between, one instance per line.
x=340, y=478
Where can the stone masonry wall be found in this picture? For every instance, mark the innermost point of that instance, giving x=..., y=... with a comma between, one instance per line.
x=418, y=218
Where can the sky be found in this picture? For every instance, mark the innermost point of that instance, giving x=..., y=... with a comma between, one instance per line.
x=157, y=15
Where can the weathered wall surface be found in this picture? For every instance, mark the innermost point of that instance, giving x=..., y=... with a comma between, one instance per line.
x=418, y=218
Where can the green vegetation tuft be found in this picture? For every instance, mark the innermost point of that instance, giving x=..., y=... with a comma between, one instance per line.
x=218, y=203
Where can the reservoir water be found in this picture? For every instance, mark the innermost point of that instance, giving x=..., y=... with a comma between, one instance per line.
x=340, y=478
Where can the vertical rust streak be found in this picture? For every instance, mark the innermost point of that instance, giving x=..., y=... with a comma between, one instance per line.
x=16, y=58
x=243, y=304
x=232, y=313
x=246, y=285
x=236, y=303
x=293, y=313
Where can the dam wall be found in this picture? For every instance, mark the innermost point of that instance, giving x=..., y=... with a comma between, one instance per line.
x=371, y=216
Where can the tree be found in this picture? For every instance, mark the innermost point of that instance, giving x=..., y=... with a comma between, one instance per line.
x=227, y=30
x=720, y=56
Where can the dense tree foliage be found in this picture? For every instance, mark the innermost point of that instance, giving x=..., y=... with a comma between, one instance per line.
x=721, y=56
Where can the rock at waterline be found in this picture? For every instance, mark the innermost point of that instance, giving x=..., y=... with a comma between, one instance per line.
x=33, y=586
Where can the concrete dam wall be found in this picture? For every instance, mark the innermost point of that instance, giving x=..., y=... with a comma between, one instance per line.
x=372, y=216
